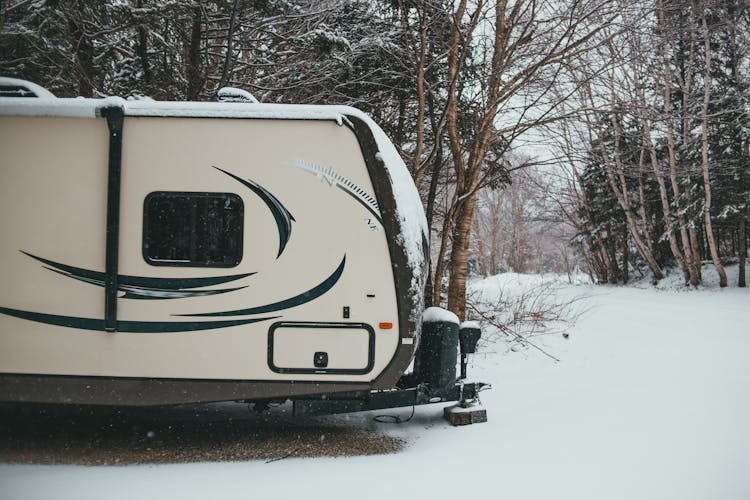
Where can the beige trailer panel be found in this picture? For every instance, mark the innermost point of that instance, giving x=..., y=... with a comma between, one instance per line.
x=332, y=236
x=52, y=199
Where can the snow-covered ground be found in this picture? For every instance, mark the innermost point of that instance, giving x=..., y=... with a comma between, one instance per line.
x=649, y=401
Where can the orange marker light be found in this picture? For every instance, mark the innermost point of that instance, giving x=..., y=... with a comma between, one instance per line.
x=385, y=325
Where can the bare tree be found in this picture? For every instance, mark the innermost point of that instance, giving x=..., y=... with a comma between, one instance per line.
x=523, y=45
x=704, y=152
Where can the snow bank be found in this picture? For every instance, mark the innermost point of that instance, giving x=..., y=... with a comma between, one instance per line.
x=675, y=281
x=649, y=401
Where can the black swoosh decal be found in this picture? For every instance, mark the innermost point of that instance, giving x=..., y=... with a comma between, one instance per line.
x=128, y=326
x=297, y=300
x=137, y=287
x=280, y=214
x=160, y=293
x=133, y=292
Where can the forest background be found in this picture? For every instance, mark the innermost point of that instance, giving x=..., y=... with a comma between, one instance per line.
x=604, y=136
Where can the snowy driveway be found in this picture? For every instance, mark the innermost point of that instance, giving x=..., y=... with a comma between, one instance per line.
x=650, y=401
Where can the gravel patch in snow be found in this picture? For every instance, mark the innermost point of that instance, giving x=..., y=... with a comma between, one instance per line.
x=40, y=434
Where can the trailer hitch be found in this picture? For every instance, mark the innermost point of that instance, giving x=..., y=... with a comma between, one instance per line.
x=396, y=398
x=433, y=380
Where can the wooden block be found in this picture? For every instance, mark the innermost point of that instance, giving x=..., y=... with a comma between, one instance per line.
x=458, y=415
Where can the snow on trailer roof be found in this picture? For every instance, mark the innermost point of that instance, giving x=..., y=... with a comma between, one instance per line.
x=237, y=110
x=90, y=108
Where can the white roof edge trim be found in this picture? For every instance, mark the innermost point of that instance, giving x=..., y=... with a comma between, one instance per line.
x=58, y=107
x=232, y=110
x=90, y=108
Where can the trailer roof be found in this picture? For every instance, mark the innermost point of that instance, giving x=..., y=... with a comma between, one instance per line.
x=82, y=108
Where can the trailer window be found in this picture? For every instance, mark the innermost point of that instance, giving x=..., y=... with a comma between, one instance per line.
x=192, y=229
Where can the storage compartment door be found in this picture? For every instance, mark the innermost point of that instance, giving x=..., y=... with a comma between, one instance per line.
x=332, y=348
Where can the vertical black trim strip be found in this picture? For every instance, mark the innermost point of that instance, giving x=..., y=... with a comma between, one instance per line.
x=114, y=116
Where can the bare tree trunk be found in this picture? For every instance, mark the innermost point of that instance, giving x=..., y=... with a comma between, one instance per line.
x=436, y=167
x=454, y=62
x=692, y=261
x=401, y=126
x=597, y=258
x=695, y=246
x=598, y=267
x=454, y=140
x=440, y=265
x=609, y=269
x=459, y=257
x=416, y=168
x=643, y=202
x=625, y=258
x=686, y=79
x=516, y=244
x=659, y=177
x=566, y=262
x=226, y=72
x=142, y=48
x=480, y=249
x=692, y=258
x=622, y=196
x=84, y=52
x=611, y=249
x=742, y=246
x=667, y=214
x=704, y=153
x=194, y=66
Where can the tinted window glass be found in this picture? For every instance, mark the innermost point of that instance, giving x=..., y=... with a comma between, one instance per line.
x=192, y=229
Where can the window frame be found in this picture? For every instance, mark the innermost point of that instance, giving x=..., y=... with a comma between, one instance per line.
x=146, y=240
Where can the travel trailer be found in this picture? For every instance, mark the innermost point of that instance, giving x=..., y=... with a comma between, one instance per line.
x=172, y=252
